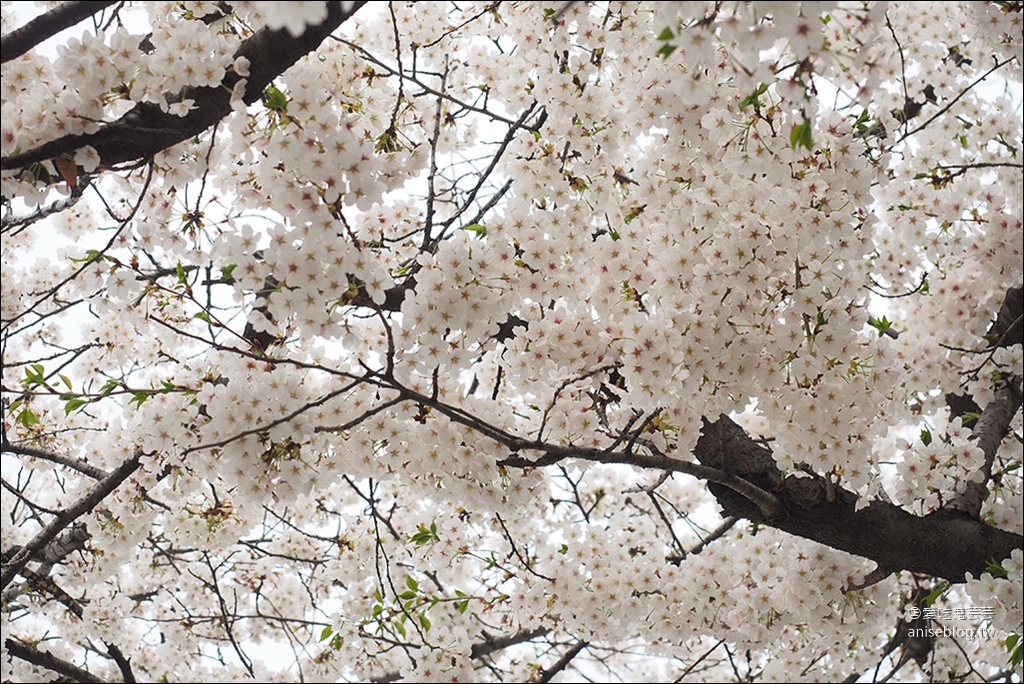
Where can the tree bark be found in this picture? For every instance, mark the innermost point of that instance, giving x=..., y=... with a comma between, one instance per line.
x=146, y=130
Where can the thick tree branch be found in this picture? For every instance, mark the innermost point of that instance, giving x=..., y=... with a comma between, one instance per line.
x=146, y=130
x=945, y=543
x=563, y=662
x=21, y=40
x=988, y=432
x=1007, y=329
x=68, y=516
x=31, y=654
x=73, y=463
x=490, y=644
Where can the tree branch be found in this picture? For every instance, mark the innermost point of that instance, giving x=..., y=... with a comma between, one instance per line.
x=21, y=40
x=989, y=432
x=945, y=543
x=31, y=654
x=549, y=674
x=146, y=129
x=491, y=644
x=68, y=516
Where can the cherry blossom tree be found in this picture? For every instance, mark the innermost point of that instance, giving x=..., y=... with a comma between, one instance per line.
x=512, y=341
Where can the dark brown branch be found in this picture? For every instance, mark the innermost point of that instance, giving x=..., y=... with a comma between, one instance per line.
x=491, y=644
x=563, y=662
x=68, y=516
x=146, y=129
x=31, y=654
x=988, y=432
x=1007, y=329
x=945, y=543
x=21, y=40
x=74, y=463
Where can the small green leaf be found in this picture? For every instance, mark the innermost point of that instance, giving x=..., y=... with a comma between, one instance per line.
x=412, y=584
x=27, y=418
x=477, y=228
x=996, y=570
x=926, y=436
x=666, y=50
x=666, y=34
x=204, y=317
x=274, y=99
x=407, y=596
x=34, y=375
x=802, y=136
x=108, y=387
x=463, y=606
x=882, y=325
x=227, y=271
x=65, y=380
x=182, y=275
x=399, y=627
x=326, y=634
x=754, y=98
x=424, y=622
x=1015, y=645
x=931, y=598
x=91, y=256
x=563, y=549
x=74, y=404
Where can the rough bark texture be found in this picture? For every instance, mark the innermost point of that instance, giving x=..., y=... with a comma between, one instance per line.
x=146, y=130
x=947, y=544
x=21, y=40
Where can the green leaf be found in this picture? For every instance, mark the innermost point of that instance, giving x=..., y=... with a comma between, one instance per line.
x=91, y=256
x=65, y=380
x=754, y=98
x=182, y=275
x=227, y=271
x=463, y=606
x=27, y=418
x=563, y=549
x=74, y=404
x=666, y=34
x=666, y=50
x=399, y=627
x=802, y=136
x=424, y=622
x=108, y=387
x=882, y=325
x=931, y=598
x=926, y=436
x=274, y=99
x=996, y=570
x=407, y=596
x=326, y=634
x=204, y=317
x=138, y=397
x=477, y=228
x=412, y=584
x=1015, y=645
